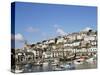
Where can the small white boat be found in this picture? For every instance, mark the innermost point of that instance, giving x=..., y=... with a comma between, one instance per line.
x=54, y=64
x=45, y=63
x=18, y=71
x=57, y=69
x=68, y=66
x=38, y=63
x=90, y=60
x=95, y=55
x=78, y=61
x=65, y=66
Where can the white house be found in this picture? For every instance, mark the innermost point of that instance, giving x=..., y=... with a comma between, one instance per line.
x=83, y=43
x=76, y=43
x=51, y=41
x=68, y=44
x=72, y=37
x=79, y=37
x=34, y=52
x=94, y=43
x=44, y=46
x=92, y=49
x=60, y=40
x=88, y=38
x=54, y=47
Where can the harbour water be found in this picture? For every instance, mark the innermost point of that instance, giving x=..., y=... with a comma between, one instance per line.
x=66, y=66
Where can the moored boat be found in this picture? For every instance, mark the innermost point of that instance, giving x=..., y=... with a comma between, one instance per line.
x=79, y=61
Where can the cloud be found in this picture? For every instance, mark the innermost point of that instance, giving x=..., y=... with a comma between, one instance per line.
x=87, y=29
x=59, y=30
x=17, y=37
x=31, y=29
x=56, y=26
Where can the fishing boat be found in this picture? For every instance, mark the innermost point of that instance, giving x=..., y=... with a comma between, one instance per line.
x=57, y=69
x=90, y=60
x=45, y=63
x=54, y=64
x=79, y=61
x=67, y=66
x=64, y=66
x=19, y=71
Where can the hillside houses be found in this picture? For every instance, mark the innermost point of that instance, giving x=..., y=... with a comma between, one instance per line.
x=65, y=47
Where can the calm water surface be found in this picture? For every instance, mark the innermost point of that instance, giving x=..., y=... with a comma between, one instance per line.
x=50, y=67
